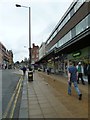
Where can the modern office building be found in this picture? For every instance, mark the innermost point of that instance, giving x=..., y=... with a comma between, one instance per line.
x=70, y=38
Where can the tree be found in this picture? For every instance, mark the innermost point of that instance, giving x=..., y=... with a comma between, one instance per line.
x=17, y=62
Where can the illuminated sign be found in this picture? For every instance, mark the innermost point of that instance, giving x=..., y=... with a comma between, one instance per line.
x=76, y=54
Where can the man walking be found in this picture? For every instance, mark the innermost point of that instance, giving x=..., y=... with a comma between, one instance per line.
x=72, y=78
x=80, y=73
x=88, y=73
x=24, y=70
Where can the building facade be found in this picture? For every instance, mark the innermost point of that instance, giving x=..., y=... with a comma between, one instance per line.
x=70, y=38
x=34, y=53
x=42, y=50
x=1, y=60
x=6, y=56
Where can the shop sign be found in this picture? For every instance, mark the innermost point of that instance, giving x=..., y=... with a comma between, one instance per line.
x=76, y=54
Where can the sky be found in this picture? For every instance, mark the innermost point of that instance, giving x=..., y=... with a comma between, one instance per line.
x=14, y=23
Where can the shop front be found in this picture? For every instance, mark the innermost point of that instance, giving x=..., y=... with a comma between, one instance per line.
x=82, y=55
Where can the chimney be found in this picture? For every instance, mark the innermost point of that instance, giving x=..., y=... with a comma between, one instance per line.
x=33, y=45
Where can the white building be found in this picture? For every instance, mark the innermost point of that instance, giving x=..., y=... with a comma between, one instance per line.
x=42, y=50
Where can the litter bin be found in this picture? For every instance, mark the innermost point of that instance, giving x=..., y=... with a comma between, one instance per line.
x=30, y=76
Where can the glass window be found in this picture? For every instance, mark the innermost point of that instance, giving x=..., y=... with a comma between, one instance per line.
x=53, y=35
x=57, y=44
x=73, y=32
x=85, y=23
x=60, y=43
x=82, y=26
x=72, y=12
x=78, y=29
x=59, y=28
x=89, y=20
x=78, y=4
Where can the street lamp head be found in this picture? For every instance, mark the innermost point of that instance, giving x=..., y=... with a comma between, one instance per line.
x=18, y=5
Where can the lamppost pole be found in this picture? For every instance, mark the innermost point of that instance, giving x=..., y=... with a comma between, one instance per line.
x=30, y=36
x=17, y=5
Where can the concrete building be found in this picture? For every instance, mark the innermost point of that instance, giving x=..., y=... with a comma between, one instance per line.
x=42, y=50
x=70, y=38
x=1, y=55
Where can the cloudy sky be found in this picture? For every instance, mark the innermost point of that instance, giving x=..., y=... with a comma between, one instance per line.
x=14, y=23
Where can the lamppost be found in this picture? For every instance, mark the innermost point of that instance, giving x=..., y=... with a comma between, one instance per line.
x=17, y=5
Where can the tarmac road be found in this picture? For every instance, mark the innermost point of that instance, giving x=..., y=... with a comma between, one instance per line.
x=9, y=83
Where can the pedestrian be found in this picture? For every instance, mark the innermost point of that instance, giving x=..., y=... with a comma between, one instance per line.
x=85, y=69
x=88, y=73
x=72, y=78
x=48, y=71
x=80, y=73
x=6, y=66
x=24, y=70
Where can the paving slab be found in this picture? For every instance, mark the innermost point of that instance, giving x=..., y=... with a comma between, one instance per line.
x=47, y=97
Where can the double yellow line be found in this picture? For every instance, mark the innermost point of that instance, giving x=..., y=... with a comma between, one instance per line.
x=13, y=98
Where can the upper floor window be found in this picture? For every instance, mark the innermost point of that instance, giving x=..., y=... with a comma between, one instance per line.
x=72, y=12
x=82, y=26
x=78, y=4
x=89, y=20
x=73, y=32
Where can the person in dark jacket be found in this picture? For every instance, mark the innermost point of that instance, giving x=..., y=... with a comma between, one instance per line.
x=80, y=72
x=48, y=71
x=24, y=70
x=72, y=78
x=88, y=73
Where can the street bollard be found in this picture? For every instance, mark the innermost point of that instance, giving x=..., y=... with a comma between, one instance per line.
x=30, y=76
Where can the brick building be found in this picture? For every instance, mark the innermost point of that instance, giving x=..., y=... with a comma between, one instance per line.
x=6, y=56
x=34, y=53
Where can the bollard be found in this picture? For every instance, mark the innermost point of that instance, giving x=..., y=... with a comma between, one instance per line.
x=30, y=76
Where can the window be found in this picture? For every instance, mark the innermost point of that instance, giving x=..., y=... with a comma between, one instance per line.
x=82, y=26
x=73, y=32
x=78, y=4
x=72, y=12
x=89, y=20
x=57, y=44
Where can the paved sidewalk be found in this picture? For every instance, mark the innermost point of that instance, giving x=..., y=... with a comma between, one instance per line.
x=46, y=97
x=24, y=109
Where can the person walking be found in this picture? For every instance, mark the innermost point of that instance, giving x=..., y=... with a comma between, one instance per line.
x=48, y=71
x=80, y=73
x=24, y=70
x=88, y=73
x=72, y=78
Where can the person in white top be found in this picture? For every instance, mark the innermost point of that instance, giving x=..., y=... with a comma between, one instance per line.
x=80, y=73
